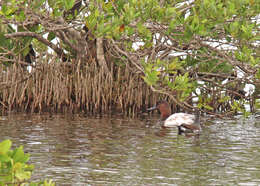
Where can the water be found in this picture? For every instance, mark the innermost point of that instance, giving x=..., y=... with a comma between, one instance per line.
x=75, y=150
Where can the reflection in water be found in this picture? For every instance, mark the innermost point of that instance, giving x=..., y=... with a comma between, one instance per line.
x=76, y=150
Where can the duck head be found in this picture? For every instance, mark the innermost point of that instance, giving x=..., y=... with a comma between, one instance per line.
x=164, y=109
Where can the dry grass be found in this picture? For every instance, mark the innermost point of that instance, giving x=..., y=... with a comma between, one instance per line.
x=60, y=87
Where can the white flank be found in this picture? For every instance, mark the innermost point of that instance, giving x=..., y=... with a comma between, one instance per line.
x=178, y=119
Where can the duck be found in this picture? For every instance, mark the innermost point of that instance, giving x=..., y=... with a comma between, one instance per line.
x=186, y=123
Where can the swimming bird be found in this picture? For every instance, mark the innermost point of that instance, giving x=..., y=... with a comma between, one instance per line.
x=186, y=123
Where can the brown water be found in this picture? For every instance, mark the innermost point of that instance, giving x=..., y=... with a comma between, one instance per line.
x=74, y=150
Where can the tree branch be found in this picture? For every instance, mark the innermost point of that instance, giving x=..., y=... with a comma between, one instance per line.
x=39, y=38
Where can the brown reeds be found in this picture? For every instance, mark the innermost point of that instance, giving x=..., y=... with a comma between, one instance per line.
x=62, y=87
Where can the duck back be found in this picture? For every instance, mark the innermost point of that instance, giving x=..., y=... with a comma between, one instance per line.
x=178, y=119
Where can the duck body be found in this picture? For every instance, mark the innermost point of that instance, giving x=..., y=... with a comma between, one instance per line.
x=186, y=123
x=178, y=119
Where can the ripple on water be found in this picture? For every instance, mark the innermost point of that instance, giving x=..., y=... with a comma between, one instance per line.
x=120, y=151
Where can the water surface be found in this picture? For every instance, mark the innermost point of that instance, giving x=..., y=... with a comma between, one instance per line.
x=82, y=150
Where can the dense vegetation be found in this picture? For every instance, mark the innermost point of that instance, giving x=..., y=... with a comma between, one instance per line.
x=98, y=55
x=14, y=169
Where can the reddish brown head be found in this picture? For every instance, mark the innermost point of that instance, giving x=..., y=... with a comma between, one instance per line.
x=164, y=109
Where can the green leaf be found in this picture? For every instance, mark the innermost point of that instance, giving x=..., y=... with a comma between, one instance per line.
x=18, y=166
x=26, y=51
x=57, y=12
x=96, y=13
x=21, y=16
x=4, y=158
x=5, y=10
x=208, y=107
x=5, y=146
x=20, y=174
x=172, y=25
x=19, y=155
x=29, y=167
x=170, y=12
x=257, y=75
x=140, y=27
x=49, y=183
x=68, y=4
x=151, y=78
x=51, y=36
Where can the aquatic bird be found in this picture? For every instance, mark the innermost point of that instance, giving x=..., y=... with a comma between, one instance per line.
x=186, y=123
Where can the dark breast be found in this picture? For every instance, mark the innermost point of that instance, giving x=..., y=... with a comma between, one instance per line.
x=184, y=128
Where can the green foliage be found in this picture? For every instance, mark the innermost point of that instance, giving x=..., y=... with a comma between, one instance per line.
x=151, y=73
x=211, y=37
x=238, y=106
x=258, y=74
x=51, y=36
x=14, y=168
x=68, y=4
x=166, y=73
x=13, y=164
x=215, y=66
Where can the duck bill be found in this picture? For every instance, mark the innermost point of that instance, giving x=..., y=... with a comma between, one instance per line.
x=152, y=108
